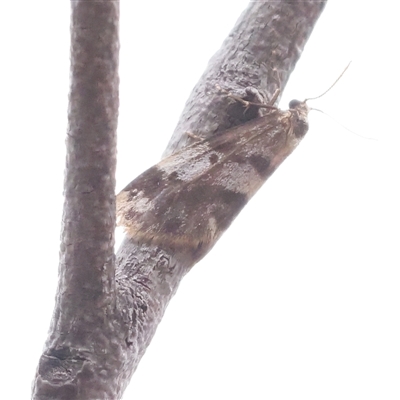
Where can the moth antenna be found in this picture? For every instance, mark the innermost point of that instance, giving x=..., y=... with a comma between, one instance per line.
x=334, y=83
x=343, y=126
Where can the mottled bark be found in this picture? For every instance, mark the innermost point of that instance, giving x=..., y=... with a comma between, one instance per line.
x=105, y=317
x=82, y=354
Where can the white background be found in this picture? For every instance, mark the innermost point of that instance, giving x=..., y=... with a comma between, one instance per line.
x=300, y=298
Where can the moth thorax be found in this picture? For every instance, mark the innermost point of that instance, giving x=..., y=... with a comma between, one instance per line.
x=299, y=111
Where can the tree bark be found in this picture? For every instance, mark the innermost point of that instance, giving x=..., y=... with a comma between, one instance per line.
x=268, y=39
x=81, y=354
x=101, y=327
x=260, y=53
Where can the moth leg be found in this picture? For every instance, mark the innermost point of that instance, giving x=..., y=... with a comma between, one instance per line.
x=232, y=96
x=277, y=92
x=275, y=97
x=255, y=94
x=249, y=90
x=194, y=136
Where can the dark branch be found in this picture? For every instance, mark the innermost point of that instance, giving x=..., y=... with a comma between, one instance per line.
x=260, y=53
x=269, y=37
x=74, y=364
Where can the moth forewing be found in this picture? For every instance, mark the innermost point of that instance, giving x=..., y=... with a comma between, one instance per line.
x=191, y=197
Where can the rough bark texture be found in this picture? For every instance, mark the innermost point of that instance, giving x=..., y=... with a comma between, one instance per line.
x=82, y=354
x=268, y=37
x=260, y=53
x=102, y=326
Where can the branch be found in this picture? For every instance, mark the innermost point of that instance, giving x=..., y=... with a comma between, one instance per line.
x=101, y=327
x=267, y=40
x=260, y=53
x=74, y=364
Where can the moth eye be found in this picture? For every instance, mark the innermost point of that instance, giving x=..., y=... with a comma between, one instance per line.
x=294, y=103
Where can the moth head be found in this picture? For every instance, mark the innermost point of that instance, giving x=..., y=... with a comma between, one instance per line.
x=294, y=104
x=299, y=105
x=299, y=111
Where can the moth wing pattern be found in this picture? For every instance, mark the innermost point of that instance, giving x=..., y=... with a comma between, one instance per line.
x=191, y=197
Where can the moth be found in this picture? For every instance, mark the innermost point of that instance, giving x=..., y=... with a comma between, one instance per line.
x=189, y=199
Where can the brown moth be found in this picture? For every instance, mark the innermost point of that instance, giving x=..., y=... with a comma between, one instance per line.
x=189, y=199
